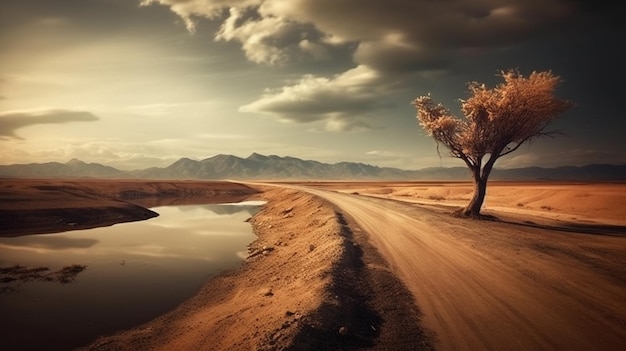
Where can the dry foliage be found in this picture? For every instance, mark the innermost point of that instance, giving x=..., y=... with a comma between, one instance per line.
x=496, y=121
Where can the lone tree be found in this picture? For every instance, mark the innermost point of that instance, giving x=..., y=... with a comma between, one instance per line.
x=497, y=122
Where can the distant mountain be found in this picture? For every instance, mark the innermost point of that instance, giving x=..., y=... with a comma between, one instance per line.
x=257, y=166
x=72, y=169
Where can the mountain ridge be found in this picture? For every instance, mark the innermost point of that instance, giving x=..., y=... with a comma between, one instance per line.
x=258, y=166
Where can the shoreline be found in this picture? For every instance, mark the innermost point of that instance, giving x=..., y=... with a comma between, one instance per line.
x=304, y=290
x=312, y=280
x=48, y=206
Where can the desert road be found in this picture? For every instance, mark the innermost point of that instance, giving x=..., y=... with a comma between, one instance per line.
x=496, y=286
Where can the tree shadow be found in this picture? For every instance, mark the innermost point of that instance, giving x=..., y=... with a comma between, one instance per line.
x=550, y=224
x=571, y=227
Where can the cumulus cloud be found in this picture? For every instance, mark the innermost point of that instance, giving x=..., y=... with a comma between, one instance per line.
x=10, y=121
x=424, y=30
x=390, y=40
x=52, y=242
x=316, y=50
x=334, y=101
x=382, y=153
x=112, y=152
x=267, y=40
x=189, y=9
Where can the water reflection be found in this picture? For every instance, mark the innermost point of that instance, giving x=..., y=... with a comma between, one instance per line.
x=136, y=271
x=47, y=242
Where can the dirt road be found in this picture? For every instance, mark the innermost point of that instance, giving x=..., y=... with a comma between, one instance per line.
x=497, y=286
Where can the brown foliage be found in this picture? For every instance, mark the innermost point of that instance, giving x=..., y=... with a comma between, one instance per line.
x=497, y=121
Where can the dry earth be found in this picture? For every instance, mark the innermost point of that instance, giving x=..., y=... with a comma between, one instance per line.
x=306, y=285
x=341, y=266
x=502, y=286
x=570, y=202
x=51, y=205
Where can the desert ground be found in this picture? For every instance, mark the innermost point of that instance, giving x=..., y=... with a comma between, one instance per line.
x=51, y=205
x=379, y=265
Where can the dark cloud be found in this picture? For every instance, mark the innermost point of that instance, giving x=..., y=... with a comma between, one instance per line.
x=11, y=121
x=270, y=40
x=426, y=28
x=393, y=42
x=71, y=22
x=394, y=59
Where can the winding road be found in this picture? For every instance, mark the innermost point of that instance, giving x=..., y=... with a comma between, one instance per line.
x=497, y=286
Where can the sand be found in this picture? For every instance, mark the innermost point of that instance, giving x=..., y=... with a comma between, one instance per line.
x=325, y=272
x=575, y=202
x=304, y=286
x=494, y=285
x=51, y=205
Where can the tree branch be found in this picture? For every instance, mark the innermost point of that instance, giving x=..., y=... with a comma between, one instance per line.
x=516, y=146
x=489, y=165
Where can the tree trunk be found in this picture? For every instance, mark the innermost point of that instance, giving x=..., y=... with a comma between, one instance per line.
x=480, y=190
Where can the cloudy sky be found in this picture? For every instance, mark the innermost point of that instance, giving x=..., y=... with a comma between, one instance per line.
x=138, y=83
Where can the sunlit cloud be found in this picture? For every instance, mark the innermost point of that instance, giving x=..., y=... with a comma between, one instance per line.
x=167, y=109
x=322, y=80
x=393, y=41
x=188, y=9
x=400, y=159
x=258, y=37
x=340, y=102
x=220, y=136
x=10, y=121
x=381, y=153
x=419, y=32
x=129, y=155
x=119, y=154
x=50, y=242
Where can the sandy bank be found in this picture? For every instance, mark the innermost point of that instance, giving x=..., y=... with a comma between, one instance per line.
x=314, y=281
x=52, y=206
x=309, y=283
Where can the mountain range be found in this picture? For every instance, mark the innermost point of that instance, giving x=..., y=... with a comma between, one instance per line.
x=257, y=166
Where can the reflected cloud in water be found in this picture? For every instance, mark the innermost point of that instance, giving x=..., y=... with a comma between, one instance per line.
x=137, y=270
x=249, y=207
x=210, y=233
x=48, y=242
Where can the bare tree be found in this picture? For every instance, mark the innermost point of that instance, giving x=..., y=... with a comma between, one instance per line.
x=497, y=122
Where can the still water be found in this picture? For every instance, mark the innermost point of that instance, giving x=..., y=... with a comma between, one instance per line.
x=135, y=272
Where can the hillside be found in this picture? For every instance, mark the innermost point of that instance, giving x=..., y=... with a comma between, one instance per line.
x=257, y=166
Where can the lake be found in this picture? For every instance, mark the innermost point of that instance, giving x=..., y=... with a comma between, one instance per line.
x=135, y=272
